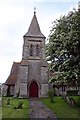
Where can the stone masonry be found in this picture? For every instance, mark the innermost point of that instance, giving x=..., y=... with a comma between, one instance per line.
x=33, y=72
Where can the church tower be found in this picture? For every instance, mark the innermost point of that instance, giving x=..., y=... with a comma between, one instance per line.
x=33, y=72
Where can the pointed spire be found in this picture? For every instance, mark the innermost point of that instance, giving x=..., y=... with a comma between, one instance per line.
x=34, y=29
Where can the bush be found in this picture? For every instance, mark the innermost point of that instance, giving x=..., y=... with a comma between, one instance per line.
x=78, y=102
x=19, y=106
x=72, y=92
x=51, y=95
x=8, y=101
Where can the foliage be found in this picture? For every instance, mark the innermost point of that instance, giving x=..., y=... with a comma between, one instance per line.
x=72, y=92
x=8, y=101
x=19, y=106
x=63, y=49
x=51, y=95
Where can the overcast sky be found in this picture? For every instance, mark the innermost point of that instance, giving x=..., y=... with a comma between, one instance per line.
x=15, y=18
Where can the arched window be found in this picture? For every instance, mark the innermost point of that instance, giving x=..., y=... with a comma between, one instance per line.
x=31, y=50
x=37, y=50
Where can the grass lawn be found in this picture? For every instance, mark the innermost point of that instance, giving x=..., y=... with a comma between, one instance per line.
x=0, y=112
x=9, y=111
x=61, y=109
x=76, y=98
x=0, y=108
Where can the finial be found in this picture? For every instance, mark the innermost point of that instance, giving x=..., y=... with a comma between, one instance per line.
x=34, y=10
x=79, y=6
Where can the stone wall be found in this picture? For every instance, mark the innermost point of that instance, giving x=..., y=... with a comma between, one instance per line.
x=4, y=90
x=12, y=90
x=34, y=71
x=44, y=90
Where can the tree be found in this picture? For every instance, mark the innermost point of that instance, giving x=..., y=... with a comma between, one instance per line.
x=63, y=49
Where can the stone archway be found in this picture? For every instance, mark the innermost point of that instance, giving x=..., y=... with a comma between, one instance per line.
x=33, y=89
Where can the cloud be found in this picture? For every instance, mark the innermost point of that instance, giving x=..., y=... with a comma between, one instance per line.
x=15, y=18
x=5, y=66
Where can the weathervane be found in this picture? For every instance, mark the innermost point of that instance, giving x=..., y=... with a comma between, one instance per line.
x=34, y=10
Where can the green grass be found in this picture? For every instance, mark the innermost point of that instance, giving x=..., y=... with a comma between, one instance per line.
x=0, y=112
x=62, y=109
x=10, y=112
x=59, y=107
x=76, y=98
x=0, y=109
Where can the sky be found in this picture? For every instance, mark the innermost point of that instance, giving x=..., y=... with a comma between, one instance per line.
x=15, y=18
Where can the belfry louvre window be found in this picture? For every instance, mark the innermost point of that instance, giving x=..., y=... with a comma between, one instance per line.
x=37, y=50
x=31, y=50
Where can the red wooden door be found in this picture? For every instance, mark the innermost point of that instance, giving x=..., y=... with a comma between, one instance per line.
x=33, y=89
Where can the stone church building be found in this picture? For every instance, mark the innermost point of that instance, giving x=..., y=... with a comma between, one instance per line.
x=29, y=78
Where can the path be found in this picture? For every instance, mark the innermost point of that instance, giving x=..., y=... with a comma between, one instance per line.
x=39, y=110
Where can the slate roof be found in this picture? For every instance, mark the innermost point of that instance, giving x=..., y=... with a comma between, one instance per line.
x=34, y=29
x=13, y=74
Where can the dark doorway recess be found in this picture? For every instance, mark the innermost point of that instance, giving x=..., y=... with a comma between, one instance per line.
x=33, y=89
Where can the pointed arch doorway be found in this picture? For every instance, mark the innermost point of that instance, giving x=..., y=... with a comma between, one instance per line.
x=33, y=89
